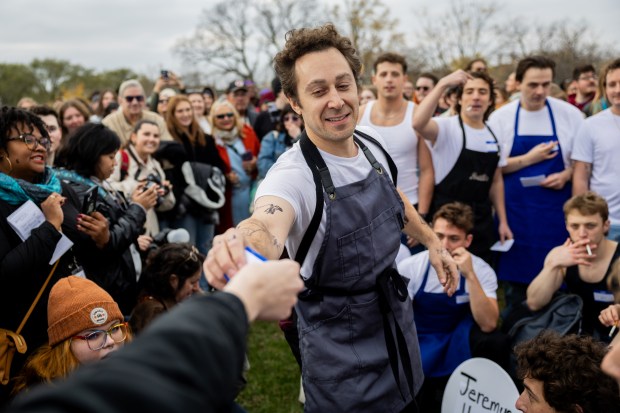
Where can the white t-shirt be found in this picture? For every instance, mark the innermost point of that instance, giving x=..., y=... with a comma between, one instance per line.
x=291, y=179
x=402, y=144
x=567, y=118
x=449, y=143
x=414, y=268
x=598, y=143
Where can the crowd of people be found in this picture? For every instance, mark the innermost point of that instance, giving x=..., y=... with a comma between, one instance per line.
x=412, y=208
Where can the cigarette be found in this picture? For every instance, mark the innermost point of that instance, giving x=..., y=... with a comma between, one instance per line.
x=613, y=330
x=468, y=108
x=588, y=250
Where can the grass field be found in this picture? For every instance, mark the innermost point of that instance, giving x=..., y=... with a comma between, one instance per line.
x=273, y=378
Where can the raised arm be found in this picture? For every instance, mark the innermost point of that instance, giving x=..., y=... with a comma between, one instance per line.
x=439, y=257
x=422, y=116
x=484, y=309
x=550, y=279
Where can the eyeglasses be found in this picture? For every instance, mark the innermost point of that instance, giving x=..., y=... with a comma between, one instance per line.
x=193, y=255
x=130, y=99
x=31, y=141
x=162, y=101
x=424, y=88
x=225, y=115
x=294, y=118
x=96, y=338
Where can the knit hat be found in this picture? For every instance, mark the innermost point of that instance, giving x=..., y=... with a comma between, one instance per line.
x=77, y=304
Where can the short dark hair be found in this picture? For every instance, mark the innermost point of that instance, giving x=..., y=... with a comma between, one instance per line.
x=588, y=203
x=88, y=143
x=44, y=110
x=569, y=368
x=579, y=70
x=430, y=76
x=391, y=57
x=300, y=42
x=489, y=81
x=458, y=214
x=10, y=117
x=173, y=258
x=470, y=65
x=533, y=62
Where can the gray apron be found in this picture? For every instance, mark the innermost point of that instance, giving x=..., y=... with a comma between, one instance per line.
x=358, y=341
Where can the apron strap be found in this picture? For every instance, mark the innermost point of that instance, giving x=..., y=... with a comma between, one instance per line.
x=310, y=154
x=386, y=309
x=390, y=161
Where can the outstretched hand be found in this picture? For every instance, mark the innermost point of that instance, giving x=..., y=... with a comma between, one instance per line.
x=446, y=269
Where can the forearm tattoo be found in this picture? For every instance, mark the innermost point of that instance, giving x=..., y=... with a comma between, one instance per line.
x=271, y=208
x=259, y=235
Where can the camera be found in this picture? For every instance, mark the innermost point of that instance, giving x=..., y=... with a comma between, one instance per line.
x=153, y=179
x=164, y=74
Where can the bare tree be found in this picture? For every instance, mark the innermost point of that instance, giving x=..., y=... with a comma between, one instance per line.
x=240, y=37
x=371, y=28
x=461, y=33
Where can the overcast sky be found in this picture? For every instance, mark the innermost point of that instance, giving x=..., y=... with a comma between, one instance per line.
x=139, y=34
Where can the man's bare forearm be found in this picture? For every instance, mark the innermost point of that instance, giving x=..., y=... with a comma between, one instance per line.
x=259, y=238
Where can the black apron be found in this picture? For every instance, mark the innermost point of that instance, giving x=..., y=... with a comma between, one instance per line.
x=469, y=181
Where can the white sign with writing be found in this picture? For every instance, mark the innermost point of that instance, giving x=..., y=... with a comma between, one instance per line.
x=479, y=385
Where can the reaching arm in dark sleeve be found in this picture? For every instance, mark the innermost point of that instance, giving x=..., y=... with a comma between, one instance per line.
x=188, y=360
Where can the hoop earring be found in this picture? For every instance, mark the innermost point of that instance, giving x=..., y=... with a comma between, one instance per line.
x=10, y=163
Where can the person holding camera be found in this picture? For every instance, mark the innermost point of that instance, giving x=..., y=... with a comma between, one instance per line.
x=90, y=158
x=167, y=80
x=135, y=165
x=238, y=146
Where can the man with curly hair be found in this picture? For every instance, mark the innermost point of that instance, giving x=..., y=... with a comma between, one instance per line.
x=563, y=375
x=357, y=340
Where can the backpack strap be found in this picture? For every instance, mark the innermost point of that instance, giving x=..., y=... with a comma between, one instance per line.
x=124, y=164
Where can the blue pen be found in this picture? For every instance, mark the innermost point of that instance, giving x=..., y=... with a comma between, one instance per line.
x=250, y=256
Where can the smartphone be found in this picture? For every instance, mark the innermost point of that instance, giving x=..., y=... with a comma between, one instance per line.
x=90, y=200
x=247, y=156
x=164, y=74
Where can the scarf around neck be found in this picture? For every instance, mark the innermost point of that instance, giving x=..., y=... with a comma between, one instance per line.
x=15, y=191
x=226, y=137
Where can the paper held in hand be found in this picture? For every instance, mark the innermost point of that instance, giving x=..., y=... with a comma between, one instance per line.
x=498, y=246
x=28, y=217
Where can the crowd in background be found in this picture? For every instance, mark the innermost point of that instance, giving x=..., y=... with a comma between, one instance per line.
x=140, y=183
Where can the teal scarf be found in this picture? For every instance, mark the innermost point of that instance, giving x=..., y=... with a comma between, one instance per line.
x=17, y=191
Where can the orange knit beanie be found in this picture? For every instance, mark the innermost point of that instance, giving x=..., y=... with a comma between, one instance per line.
x=77, y=304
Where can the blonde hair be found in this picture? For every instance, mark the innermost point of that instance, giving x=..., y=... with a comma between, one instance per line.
x=238, y=120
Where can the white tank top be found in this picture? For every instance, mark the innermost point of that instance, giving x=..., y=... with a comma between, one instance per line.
x=402, y=145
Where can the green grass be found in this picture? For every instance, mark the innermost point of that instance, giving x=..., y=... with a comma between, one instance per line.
x=273, y=378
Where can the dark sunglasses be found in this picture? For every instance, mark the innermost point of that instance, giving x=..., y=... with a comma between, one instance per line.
x=130, y=99
x=424, y=88
x=31, y=141
x=225, y=115
x=294, y=118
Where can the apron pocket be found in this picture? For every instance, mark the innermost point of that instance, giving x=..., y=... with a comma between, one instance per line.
x=354, y=251
x=343, y=346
